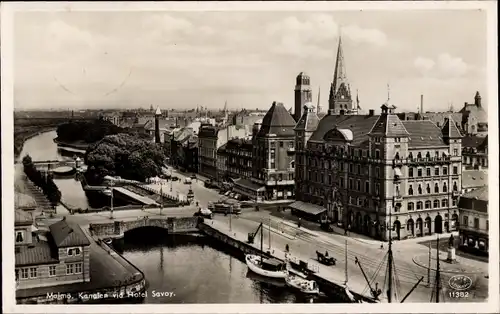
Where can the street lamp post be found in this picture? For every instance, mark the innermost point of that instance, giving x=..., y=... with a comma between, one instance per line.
x=161, y=195
x=110, y=191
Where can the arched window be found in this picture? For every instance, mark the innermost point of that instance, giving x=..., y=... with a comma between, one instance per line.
x=419, y=155
x=436, y=188
x=445, y=188
x=436, y=203
x=428, y=155
x=455, y=186
x=410, y=190
x=410, y=156
x=444, y=203
x=397, y=156
x=428, y=189
x=419, y=205
x=419, y=189
x=428, y=204
x=411, y=206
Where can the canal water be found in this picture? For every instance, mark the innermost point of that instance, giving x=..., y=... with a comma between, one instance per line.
x=195, y=269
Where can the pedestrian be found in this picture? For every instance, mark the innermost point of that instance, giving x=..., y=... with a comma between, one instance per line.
x=287, y=248
x=345, y=231
x=382, y=245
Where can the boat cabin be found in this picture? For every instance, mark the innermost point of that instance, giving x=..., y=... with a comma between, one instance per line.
x=273, y=264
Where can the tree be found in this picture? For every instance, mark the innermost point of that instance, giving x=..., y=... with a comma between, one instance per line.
x=89, y=132
x=125, y=155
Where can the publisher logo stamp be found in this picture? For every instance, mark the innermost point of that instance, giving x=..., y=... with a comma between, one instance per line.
x=460, y=282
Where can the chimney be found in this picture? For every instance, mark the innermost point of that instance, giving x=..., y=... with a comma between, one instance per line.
x=421, y=104
x=342, y=112
x=371, y=113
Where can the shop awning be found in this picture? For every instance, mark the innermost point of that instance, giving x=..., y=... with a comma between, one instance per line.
x=245, y=183
x=308, y=208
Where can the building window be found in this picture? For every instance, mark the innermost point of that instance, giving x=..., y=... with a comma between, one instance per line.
x=281, y=144
x=427, y=204
x=419, y=189
x=377, y=172
x=455, y=170
x=74, y=252
x=69, y=269
x=350, y=184
x=78, y=268
x=411, y=206
x=466, y=221
x=436, y=188
x=410, y=172
x=19, y=236
x=455, y=187
x=444, y=203
x=367, y=187
x=419, y=172
x=455, y=152
x=17, y=274
x=476, y=223
x=419, y=205
x=359, y=169
x=445, y=171
x=436, y=203
x=445, y=188
x=410, y=190
x=24, y=273
x=52, y=271
x=33, y=272
x=410, y=156
x=454, y=202
x=436, y=171
x=428, y=189
x=358, y=185
x=377, y=154
x=487, y=225
x=428, y=172
x=377, y=188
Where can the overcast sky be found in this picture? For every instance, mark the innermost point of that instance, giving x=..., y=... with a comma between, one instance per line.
x=250, y=59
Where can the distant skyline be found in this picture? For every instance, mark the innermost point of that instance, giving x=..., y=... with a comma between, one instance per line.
x=249, y=59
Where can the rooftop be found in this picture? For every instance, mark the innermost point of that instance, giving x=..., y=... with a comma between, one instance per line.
x=423, y=133
x=359, y=125
x=23, y=218
x=277, y=121
x=36, y=254
x=474, y=178
x=65, y=234
x=24, y=201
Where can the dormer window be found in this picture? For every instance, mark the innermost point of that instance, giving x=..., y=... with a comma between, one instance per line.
x=74, y=251
x=419, y=155
x=19, y=236
x=410, y=156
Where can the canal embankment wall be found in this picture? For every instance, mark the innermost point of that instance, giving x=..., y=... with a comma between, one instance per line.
x=326, y=286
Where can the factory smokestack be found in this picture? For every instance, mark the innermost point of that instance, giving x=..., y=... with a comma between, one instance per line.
x=422, y=104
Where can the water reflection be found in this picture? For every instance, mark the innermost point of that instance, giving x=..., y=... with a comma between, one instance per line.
x=201, y=270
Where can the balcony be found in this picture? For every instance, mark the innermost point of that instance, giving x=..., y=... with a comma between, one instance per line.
x=398, y=198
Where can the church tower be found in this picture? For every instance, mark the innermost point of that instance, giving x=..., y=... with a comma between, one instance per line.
x=340, y=91
x=303, y=94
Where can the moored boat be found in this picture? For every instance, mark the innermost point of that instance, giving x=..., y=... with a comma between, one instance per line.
x=303, y=285
x=267, y=267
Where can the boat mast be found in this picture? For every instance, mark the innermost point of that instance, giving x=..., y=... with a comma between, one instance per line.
x=389, y=261
x=269, y=232
x=438, y=275
x=261, y=241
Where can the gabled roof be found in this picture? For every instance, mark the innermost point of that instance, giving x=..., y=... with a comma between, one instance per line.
x=423, y=133
x=39, y=253
x=450, y=129
x=389, y=125
x=473, y=141
x=309, y=120
x=65, y=235
x=359, y=125
x=277, y=121
x=477, y=194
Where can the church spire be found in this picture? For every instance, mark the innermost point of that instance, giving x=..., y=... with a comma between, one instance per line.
x=318, y=105
x=340, y=91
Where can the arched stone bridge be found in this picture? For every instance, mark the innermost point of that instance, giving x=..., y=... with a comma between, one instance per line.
x=117, y=229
